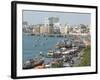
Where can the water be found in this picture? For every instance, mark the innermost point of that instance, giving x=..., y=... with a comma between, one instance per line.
x=33, y=45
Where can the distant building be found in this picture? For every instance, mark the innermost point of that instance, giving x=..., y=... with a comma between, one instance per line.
x=36, y=30
x=45, y=30
x=80, y=29
x=53, y=20
x=25, y=24
x=56, y=28
x=52, y=26
x=46, y=22
x=64, y=29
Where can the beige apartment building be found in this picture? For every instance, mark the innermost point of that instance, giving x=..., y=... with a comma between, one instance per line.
x=46, y=29
x=64, y=30
x=36, y=30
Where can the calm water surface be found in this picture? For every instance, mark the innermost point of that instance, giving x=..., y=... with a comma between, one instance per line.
x=33, y=45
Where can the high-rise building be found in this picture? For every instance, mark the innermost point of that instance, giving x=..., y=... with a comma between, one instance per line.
x=53, y=20
x=46, y=22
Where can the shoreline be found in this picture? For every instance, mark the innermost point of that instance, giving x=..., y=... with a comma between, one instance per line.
x=56, y=35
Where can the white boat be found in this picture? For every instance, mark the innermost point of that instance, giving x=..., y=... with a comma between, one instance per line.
x=69, y=51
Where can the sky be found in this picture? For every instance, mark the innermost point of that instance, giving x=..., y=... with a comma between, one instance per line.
x=38, y=17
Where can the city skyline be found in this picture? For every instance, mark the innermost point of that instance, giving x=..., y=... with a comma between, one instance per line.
x=38, y=17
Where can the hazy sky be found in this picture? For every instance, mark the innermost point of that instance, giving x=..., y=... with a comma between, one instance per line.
x=38, y=17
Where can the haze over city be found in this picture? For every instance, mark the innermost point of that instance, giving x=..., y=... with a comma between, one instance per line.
x=56, y=39
x=38, y=17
